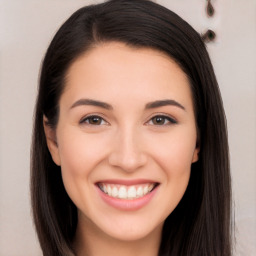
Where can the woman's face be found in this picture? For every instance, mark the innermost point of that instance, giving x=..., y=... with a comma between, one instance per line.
x=125, y=139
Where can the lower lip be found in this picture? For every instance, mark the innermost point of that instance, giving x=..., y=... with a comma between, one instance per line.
x=126, y=204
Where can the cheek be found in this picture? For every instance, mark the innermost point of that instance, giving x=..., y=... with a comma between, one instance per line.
x=174, y=152
x=79, y=157
x=79, y=153
x=174, y=156
x=72, y=168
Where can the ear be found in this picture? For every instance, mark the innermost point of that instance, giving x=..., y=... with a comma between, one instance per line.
x=51, y=140
x=196, y=153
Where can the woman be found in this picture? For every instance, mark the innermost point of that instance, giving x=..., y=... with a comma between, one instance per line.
x=130, y=151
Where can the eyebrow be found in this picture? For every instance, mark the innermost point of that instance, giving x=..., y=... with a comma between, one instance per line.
x=91, y=102
x=150, y=105
x=162, y=103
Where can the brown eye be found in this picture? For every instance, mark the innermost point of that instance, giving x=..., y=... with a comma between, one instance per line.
x=158, y=120
x=93, y=120
x=161, y=120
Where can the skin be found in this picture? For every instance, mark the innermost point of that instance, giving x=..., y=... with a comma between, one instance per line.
x=125, y=143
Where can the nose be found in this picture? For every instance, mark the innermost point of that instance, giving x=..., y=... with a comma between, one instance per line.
x=127, y=152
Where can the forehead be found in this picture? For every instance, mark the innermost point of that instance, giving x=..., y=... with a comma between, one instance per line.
x=113, y=70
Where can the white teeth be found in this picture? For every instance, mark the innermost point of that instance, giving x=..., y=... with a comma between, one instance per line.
x=114, y=192
x=109, y=190
x=139, y=191
x=131, y=192
x=122, y=193
x=145, y=190
x=126, y=192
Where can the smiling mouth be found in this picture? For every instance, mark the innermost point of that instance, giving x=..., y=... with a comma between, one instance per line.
x=127, y=192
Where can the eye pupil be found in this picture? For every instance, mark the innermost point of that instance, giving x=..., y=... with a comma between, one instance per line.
x=95, y=120
x=158, y=120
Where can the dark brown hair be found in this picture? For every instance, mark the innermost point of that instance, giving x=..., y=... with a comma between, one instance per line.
x=200, y=224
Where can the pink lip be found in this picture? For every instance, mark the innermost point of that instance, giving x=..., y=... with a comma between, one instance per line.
x=125, y=204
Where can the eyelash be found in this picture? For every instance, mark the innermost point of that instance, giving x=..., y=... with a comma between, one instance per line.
x=87, y=119
x=167, y=120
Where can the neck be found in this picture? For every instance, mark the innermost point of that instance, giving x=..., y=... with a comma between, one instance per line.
x=89, y=241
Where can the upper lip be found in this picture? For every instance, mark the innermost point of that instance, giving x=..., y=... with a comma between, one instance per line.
x=127, y=182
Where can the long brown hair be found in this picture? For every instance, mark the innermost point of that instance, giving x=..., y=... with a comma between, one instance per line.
x=200, y=224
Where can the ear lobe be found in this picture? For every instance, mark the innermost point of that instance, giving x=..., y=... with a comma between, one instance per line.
x=51, y=140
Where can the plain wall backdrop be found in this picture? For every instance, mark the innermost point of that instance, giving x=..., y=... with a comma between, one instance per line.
x=26, y=28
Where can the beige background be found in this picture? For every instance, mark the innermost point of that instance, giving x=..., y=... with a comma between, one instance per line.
x=26, y=28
